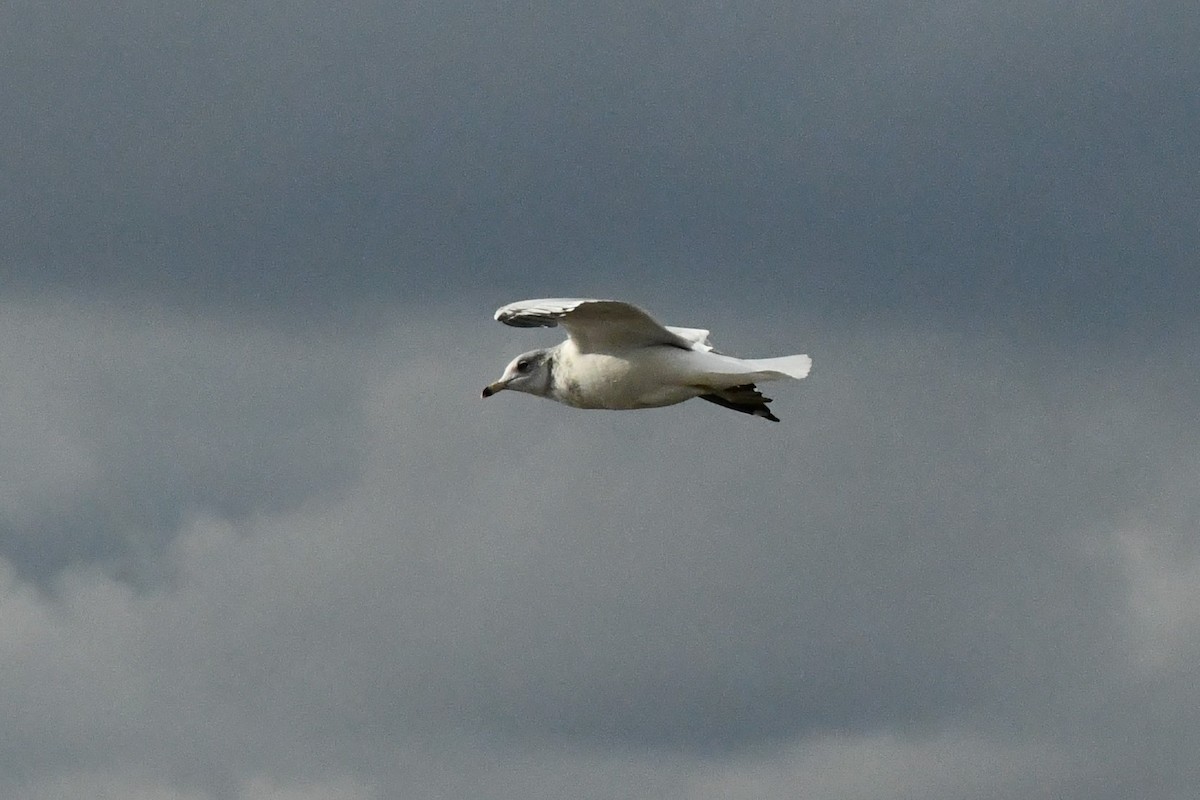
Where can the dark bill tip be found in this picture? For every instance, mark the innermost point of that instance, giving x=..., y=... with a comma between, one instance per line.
x=488, y=391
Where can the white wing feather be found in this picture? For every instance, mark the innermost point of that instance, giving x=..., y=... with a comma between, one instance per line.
x=542, y=313
x=597, y=325
x=697, y=336
x=600, y=325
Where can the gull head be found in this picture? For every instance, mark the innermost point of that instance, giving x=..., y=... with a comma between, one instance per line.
x=529, y=372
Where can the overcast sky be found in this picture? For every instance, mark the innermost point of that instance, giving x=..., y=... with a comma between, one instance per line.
x=261, y=540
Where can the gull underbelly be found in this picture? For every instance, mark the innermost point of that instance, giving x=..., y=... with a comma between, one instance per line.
x=648, y=377
x=636, y=380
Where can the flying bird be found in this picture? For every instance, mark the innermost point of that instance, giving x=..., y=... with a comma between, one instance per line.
x=617, y=356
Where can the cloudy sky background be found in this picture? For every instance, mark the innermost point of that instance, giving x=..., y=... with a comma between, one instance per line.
x=261, y=540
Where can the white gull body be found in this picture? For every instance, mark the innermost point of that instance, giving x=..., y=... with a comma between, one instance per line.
x=617, y=356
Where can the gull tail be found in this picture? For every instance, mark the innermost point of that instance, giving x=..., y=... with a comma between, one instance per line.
x=795, y=367
x=721, y=371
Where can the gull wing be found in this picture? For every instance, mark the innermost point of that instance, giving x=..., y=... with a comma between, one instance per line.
x=598, y=326
x=697, y=336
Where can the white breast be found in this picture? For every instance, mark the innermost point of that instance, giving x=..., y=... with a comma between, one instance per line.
x=642, y=378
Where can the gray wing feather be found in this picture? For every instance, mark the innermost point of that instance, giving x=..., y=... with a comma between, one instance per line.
x=536, y=313
x=697, y=336
x=600, y=325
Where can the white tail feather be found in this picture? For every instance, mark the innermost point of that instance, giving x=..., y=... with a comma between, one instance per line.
x=787, y=366
x=723, y=371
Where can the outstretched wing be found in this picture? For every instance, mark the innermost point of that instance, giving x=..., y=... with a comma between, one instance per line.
x=599, y=326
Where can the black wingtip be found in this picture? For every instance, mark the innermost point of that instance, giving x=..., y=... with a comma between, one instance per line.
x=745, y=399
x=526, y=320
x=530, y=322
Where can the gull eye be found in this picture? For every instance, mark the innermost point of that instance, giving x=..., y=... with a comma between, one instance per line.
x=523, y=365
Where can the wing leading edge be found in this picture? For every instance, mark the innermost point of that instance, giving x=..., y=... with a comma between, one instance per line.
x=600, y=325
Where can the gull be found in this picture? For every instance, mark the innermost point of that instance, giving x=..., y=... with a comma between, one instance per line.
x=617, y=356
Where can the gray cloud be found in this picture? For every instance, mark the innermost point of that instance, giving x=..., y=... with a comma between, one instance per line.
x=964, y=159
x=119, y=423
x=260, y=539
x=947, y=540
